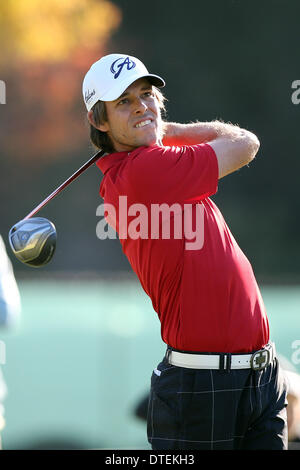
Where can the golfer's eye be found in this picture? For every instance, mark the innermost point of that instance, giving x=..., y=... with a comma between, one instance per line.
x=123, y=101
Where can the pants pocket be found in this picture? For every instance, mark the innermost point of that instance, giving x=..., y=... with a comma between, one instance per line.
x=162, y=423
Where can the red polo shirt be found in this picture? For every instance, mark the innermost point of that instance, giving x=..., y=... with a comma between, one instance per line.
x=206, y=297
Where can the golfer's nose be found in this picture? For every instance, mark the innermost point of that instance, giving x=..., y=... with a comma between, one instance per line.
x=140, y=106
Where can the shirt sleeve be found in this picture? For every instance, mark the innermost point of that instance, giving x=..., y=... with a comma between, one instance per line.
x=174, y=174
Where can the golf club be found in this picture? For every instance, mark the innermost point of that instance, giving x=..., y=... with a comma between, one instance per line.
x=33, y=239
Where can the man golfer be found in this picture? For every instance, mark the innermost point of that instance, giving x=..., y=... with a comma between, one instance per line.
x=219, y=385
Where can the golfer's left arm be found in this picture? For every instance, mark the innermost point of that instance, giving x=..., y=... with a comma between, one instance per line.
x=234, y=147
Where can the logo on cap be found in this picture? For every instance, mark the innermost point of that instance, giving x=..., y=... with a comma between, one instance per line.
x=117, y=66
x=88, y=95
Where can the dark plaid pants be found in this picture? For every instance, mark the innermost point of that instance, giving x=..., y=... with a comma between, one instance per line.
x=217, y=410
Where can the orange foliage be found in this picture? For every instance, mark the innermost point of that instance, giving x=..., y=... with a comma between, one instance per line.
x=50, y=46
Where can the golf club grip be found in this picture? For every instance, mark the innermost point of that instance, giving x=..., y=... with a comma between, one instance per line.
x=75, y=175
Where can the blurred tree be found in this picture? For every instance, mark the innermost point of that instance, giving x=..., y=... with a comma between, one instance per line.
x=46, y=49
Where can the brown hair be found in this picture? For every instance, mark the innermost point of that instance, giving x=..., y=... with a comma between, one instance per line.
x=101, y=139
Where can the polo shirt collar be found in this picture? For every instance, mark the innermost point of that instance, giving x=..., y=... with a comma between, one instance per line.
x=112, y=159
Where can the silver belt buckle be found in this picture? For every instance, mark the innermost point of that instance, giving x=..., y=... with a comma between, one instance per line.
x=260, y=359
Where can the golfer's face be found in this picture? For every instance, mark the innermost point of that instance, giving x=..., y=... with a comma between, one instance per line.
x=134, y=119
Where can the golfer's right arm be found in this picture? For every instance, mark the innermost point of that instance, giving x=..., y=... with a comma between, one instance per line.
x=233, y=146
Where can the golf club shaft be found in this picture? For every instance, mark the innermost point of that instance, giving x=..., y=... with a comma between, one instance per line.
x=60, y=188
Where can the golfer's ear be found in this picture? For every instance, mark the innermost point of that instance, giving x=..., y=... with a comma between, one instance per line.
x=102, y=127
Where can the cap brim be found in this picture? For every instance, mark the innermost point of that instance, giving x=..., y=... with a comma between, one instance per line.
x=112, y=95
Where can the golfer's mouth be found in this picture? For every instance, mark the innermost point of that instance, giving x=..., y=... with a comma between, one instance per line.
x=145, y=122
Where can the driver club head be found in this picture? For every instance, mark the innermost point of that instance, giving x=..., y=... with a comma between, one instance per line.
x=33, y=241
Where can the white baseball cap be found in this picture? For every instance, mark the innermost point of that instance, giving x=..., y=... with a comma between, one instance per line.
x=109, y=77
